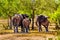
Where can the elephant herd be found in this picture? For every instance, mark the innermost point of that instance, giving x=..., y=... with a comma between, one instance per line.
x=23, y=21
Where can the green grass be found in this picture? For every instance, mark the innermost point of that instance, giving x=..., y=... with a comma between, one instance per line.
x=58, y=34
x=59, y=37
x=50, y=39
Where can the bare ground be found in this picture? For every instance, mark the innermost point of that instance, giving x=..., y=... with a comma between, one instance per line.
x=32, y=35
x=27, y=36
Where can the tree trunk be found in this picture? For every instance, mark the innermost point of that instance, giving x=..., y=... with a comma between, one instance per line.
x=57, y=26
x=10, y=23
x=33, y=20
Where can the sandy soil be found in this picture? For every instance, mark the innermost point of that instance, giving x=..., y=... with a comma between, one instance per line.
x=25, y=37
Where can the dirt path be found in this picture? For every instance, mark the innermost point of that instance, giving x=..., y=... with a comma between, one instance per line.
x=25, y=36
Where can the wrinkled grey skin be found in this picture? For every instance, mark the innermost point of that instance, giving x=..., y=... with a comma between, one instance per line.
x=17, y=21
x=42, y=20
x=26, y=23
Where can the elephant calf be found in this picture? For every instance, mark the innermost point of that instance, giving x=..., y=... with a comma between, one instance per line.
x=26, y=23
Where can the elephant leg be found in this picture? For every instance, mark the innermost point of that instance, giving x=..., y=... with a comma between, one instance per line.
x=27, y=29
x=22, y=28
x=46, y=27
x=16, y=29
x=39, y=28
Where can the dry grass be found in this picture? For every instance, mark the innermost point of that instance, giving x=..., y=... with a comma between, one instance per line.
x=26, y=36
x=9, y=35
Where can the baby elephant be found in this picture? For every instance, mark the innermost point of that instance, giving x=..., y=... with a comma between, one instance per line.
x=26, y=23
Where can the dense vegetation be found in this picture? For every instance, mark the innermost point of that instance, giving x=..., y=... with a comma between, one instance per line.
x=9, y=7
x=50, y=8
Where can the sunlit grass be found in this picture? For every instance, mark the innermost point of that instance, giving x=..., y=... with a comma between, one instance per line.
x=30, y=34
x=58, y=34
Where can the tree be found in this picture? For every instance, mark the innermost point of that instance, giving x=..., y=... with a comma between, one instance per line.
x=36, y=7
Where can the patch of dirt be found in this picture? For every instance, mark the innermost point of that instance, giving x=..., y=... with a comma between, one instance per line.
x=25, y=36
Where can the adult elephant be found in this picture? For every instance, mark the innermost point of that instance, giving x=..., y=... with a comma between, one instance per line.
x=42, y=20
x=17, y=21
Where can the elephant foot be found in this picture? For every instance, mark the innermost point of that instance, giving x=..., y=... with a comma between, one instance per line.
x=16, y=32
x=47, y=31
x=40, y=31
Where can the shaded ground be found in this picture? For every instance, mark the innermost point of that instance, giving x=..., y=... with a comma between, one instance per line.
x=29, y=36
x=32, y=35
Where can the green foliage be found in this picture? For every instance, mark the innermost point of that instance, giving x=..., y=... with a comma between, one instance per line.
x=9, y=7
x=50, y=38
x=55, y=17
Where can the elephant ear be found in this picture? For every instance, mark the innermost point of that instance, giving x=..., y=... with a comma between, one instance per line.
x=41, y=18
x=25, y=16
